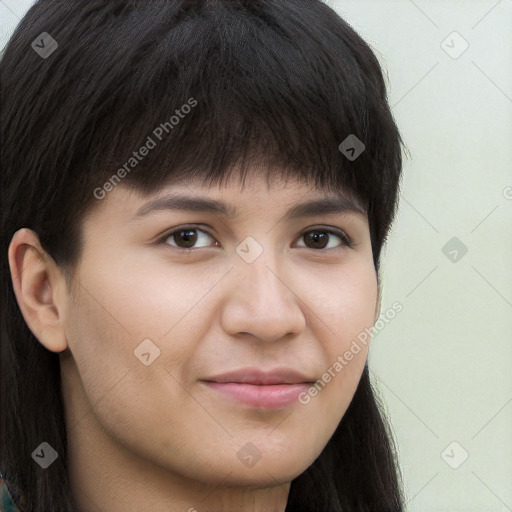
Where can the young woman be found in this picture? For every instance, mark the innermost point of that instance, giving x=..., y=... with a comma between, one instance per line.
x=195, y=198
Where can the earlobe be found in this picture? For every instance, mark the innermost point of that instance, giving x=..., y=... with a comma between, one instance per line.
x=38, y=285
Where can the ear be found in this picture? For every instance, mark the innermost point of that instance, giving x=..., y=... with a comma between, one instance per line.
x=40, y=289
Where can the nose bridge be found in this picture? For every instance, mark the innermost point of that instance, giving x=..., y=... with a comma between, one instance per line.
x=262, y=281
x=262, y=303
x=258, y=263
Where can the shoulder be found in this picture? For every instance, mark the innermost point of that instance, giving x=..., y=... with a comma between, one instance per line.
x=7, y=503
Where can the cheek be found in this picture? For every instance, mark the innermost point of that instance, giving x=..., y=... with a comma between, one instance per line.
x=125, y=302
x=98, y=342
x=344, y=312
x=342, y=303
x=120, y=305
x=129, y=400
x=130, y=301
x=148, y=297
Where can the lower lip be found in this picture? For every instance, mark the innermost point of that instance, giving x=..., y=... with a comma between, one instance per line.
x=277, y=395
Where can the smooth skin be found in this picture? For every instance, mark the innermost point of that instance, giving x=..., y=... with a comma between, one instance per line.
x=156, y=437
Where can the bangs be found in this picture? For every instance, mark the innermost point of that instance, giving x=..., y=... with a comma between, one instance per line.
x=262, y=93
x=146, y=93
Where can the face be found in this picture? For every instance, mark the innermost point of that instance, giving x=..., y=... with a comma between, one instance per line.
x=196, y=337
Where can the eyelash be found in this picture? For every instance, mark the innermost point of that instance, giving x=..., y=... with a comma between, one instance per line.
x=346, y=241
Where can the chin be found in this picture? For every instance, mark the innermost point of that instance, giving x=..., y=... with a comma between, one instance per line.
x=268, y=471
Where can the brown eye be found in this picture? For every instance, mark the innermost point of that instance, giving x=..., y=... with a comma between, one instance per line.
x=186, y=238
x=317, y=239
x=320, y=239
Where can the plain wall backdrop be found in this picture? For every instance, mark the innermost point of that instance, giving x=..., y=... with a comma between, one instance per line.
x=443, y=363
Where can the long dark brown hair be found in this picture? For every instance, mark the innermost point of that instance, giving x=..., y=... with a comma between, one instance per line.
x=280, y=82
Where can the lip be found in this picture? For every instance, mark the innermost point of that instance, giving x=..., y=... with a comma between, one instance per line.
x=258, y=377
x=274, y=388
x=268, y=396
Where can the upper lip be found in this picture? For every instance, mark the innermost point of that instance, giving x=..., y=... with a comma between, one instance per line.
x=259, y=377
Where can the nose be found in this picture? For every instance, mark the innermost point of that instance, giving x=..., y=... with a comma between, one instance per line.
x=262, y=303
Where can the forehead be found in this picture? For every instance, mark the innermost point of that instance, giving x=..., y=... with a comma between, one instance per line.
x=233, y=198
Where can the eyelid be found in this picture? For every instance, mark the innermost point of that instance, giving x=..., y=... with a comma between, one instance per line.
x=346, y=240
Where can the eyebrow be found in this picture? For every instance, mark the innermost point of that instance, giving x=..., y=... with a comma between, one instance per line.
x=320, y=206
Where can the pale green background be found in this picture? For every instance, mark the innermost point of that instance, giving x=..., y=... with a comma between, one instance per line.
x=443, y=364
